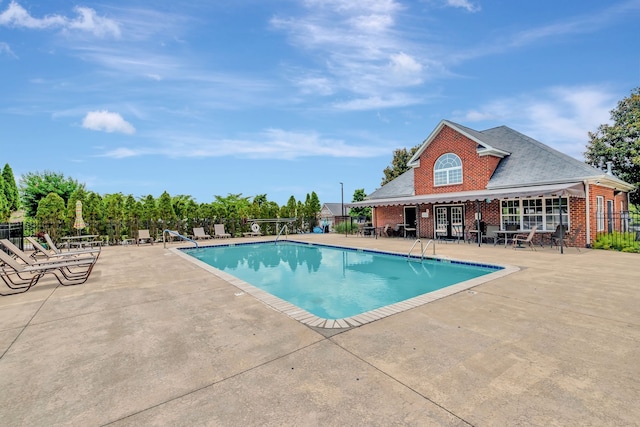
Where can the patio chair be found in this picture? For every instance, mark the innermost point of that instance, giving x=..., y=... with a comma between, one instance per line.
x=51, y=244
x=560, y=233
x=570, y=240
x=491, y=234
x=198, y=233
x=519, y=239
x=218, y=231
x=21, y=277
x=143, y=235
x=68, y=273
x=40, y=251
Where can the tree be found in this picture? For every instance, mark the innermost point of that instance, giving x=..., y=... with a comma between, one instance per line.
x=10, y=188
x=364, y=211
x=398, y=164
x=52, y=212
x=165, y=208
x=620, y=143
x=5, y=212
x=34, y=186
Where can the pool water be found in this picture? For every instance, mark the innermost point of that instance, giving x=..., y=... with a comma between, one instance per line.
x=333, y=282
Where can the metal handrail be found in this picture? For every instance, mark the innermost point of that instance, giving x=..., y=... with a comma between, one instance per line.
x=280, y=233
x=175, y=233
x=423, y=248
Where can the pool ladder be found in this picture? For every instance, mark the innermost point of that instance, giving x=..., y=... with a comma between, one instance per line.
x=423, y=248
x=174, y=233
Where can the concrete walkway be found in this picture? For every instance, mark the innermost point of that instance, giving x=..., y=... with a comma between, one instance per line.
x=152, y=339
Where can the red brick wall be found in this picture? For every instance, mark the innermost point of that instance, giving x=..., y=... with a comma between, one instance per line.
x=476, y=170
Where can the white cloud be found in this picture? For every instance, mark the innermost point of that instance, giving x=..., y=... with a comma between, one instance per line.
x=464, y=4
x=560, y=116
x=108, y=122
x=359, y=46
x=86, y=21
x=5, y=48
x=269, y=144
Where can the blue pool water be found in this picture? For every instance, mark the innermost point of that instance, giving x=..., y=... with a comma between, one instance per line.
x=332, y=282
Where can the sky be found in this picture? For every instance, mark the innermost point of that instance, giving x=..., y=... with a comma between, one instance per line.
x=283, y=98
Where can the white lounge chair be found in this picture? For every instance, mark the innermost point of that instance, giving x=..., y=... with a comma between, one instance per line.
x=143, y=235
x=218, y=231
x=198, y=233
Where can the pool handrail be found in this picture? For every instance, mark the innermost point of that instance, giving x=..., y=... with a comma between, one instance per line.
x=280, y=233
x=175, y=233
x=423, y=249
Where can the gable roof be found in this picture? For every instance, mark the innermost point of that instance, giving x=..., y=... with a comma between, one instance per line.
x=532, y=162
x=402, y=186
x=334, y=209
x=524, y=162
x=485, y=145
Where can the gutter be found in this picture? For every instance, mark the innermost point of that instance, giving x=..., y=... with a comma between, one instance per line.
x=588, y=209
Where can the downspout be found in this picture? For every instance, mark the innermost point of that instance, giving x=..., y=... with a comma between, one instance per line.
x=588, y=222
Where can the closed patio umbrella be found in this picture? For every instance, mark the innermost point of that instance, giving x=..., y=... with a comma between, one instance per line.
x=79, y=222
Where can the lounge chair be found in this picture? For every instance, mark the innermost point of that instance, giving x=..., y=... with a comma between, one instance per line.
x=519, y=239
x=218, y=231
x=68, y=273
x=13, y=273
x=143, y=235
x=198, y=233
x=40, y=251
x=51, y=244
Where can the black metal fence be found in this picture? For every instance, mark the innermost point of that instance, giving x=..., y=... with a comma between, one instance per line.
x=618, y=230
x=113, y=232
x=14, y=231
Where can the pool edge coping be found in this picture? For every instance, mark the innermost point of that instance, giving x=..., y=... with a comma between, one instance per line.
x=309, y=319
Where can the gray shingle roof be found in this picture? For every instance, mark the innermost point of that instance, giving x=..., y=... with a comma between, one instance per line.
x=529, y=162
x=532, y=162
x=400, y=187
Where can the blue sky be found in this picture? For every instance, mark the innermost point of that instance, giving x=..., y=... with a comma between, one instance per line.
x=284, y=97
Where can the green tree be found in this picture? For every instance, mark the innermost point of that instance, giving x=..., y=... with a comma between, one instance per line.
x=165, y=208
x=620, y=142
x=5, y=212
x=10, y=188
x=92, y=213
x=149, y=214
x=398, y=164
x=36, y=185
x=51, y=212
x=365, y=211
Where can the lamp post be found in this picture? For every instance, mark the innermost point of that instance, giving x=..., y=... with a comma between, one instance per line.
x=342, y=208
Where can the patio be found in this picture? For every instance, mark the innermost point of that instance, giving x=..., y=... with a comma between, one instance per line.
x=152, y=339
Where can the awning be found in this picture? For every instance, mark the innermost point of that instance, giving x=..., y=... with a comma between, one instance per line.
x=552, y=190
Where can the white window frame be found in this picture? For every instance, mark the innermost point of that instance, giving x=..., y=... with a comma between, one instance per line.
x=540, y=211
x=599, y=213
x=449, y=171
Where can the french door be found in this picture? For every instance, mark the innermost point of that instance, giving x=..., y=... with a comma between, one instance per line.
x=449, y=222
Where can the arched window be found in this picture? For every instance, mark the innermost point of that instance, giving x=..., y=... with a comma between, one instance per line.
x=447, y=170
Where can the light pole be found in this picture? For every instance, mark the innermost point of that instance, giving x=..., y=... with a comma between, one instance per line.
x=342, y=210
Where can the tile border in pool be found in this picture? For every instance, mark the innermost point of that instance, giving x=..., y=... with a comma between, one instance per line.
x=309, y=319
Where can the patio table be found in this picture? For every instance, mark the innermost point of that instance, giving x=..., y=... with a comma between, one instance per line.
x=81, y=241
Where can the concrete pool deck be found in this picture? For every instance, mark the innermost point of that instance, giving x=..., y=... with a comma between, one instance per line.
x=152, y=339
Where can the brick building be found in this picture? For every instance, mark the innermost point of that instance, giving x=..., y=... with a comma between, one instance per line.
x=461, y=178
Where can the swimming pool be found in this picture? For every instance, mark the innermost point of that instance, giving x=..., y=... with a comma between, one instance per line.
x=330, y=286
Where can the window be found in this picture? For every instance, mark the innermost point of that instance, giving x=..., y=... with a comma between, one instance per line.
x=600, y=213
x=532, y=214
x=447, y=170
x=552, y=211
x=524, y=214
